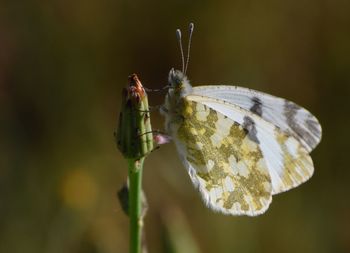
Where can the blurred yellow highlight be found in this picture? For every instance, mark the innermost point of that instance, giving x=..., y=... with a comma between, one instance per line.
x=79, y=190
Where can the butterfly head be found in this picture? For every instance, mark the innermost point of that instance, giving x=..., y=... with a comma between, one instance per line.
x=178, y=82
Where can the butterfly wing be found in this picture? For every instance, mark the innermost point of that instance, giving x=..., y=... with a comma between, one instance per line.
x=289, y=163
x=288, y=116
x=224, y=163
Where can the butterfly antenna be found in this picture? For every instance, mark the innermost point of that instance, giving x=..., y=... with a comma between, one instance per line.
x=189, y=46
x=179, y=39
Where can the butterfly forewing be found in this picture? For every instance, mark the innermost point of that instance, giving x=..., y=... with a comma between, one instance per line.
x=287, y=115
x=224, y=162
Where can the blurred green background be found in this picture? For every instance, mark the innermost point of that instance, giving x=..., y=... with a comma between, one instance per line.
x=62, y=67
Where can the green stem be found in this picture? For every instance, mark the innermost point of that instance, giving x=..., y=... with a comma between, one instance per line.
x=135, y=206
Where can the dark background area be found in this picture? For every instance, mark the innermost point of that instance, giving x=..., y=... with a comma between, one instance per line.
x=62, y=67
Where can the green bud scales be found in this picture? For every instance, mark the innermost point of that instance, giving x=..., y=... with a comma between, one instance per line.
x=134, y=133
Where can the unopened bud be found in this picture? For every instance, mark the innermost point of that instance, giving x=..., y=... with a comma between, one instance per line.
x=134, y=134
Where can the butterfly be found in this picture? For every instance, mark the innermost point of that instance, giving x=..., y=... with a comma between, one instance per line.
x=240, y=146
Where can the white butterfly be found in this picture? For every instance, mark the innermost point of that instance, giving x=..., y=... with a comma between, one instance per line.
x=240, y=146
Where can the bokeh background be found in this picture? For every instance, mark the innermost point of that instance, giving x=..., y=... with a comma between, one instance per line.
x=62, y=67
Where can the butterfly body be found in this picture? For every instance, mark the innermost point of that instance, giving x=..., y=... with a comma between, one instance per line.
x=179, y=88
x=239, y=146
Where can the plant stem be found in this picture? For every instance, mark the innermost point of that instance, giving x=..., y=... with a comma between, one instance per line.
x=135, y=140
x=135, y=205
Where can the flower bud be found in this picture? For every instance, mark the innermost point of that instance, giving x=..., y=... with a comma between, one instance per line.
x=134, y=134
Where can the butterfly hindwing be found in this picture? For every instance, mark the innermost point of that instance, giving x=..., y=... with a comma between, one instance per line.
x=288, y=116
x=289, y=163
x=224, y=162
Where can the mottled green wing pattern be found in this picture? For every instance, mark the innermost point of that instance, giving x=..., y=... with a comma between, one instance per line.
x=225, y=164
